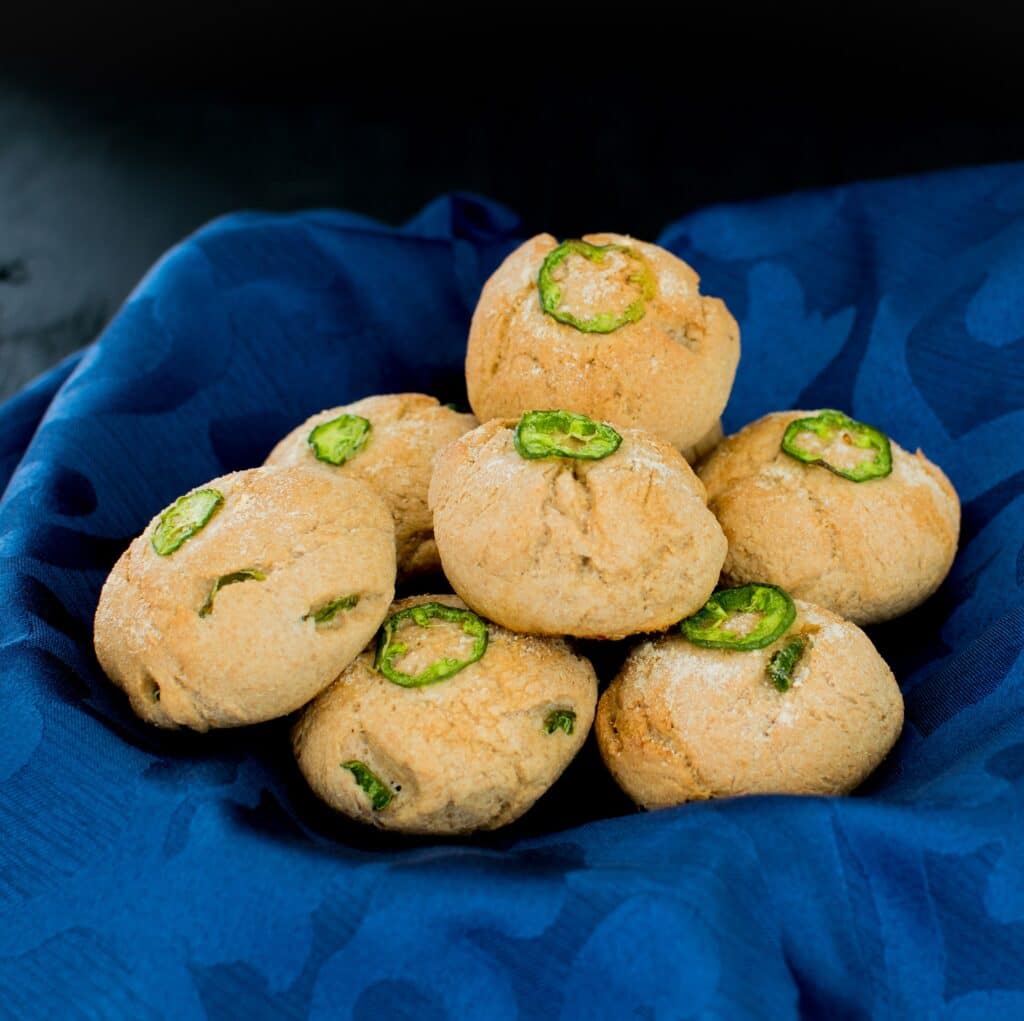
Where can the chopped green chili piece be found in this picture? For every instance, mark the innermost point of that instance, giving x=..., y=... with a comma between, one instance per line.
x=427, y=615
x=340, y=439
x=379, y=793
x=603, y=322
x=830, y=426
x=228, y=579
x=560, y=719
x=564, y=434
x=783, y=663
x=324, y=615
x=772, y=607
x=186, y=516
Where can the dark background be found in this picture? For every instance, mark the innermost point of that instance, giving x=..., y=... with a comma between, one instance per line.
x=122, y=129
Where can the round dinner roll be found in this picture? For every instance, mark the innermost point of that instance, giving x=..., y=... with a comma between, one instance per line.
x=682, y=722
x=608, y=326
x=870, y=550
x=389, y=441
x=573, y=544
x=245, y=598
x=450, y=725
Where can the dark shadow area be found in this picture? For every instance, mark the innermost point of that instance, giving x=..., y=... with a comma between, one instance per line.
x=123, y=129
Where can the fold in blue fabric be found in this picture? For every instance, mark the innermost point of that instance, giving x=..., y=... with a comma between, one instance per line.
x=153, y=875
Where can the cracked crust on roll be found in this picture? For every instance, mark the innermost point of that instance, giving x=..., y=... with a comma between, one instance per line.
x=669, y=373
x=598, y=549
x=684, y=723
x=468, y=753
x=870, y=551
x=257, y=652
x=407, y=431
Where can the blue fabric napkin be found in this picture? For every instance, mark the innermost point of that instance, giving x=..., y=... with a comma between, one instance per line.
x=151, y=875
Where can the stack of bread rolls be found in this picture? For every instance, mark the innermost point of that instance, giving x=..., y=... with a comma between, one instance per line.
x=589, y=495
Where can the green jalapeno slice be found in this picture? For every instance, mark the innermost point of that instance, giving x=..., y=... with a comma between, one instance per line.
x=229, y=579
x=783, y=662
x=340, y=439
x=427, y=615
x=186, y=516
x=830, y=426
x=772, y=609
x=379, y=793
x=560, y=719
x=326, y=614
x=550, y=291
x=542, y=434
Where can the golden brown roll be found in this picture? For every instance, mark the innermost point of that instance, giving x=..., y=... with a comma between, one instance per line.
x=246, y=597
x=610, y=327
x=869, y=550
x=461, y=728
x=682, y=722
x=389, y=441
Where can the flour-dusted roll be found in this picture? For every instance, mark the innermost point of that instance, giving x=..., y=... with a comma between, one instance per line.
x=834, y=512
x=562, y=525
x=389, y=441
x=247, y=597
x=758, y=695
x=607, y=326
x=449, y=724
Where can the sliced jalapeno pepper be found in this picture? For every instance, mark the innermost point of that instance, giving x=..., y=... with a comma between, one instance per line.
x=186, y=516
x=783, y=663
x=228, y=579
x=428, y=615
x=324, y=615
x=542, y=434
x=709, y=627
x=830, y=426
x=379, y=793
x=560, y=719
x=604, y=322
x=340, y=439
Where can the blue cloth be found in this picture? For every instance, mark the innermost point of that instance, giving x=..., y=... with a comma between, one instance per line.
x=152, y=875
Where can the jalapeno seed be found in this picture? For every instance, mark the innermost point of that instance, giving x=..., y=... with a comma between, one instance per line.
x=186, y=516
x=767, y=609
x=639, y=277
x=541, y=434
x=813, y=440
x=390, y=648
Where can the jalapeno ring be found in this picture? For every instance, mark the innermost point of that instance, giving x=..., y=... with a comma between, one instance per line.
x=604, y=322
x=249, y=574
x=324, y=615
x=560, y=719
x=379, y=793
x=783, y=662
x=424, y=615
x=830, y=424
x=708, y=627
x=186, y=516
x=541, y=434
x=340, y=439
